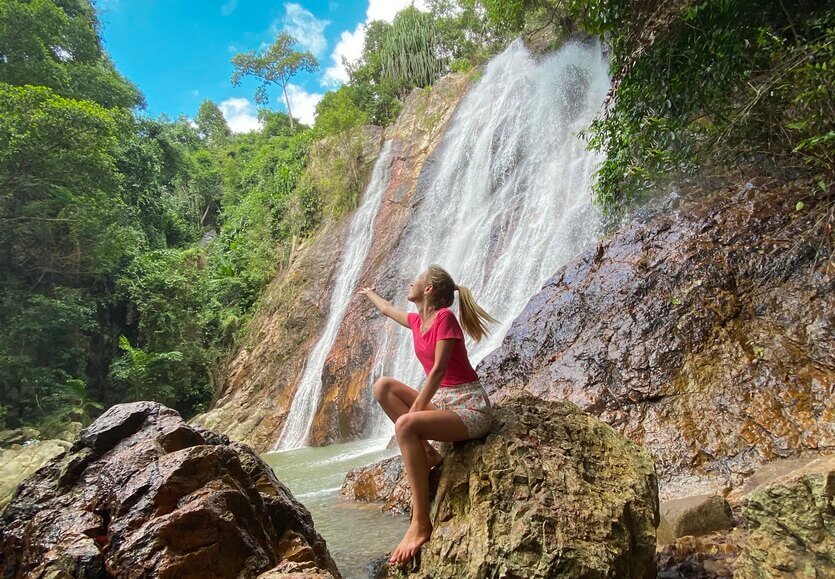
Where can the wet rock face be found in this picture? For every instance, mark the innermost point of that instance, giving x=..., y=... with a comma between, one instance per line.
x=258, y=381
x=142, y=493
x=703, y=333
x=551, y=492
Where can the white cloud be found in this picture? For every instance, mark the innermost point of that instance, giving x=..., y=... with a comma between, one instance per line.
x=229, y=7
x=302, y=103
x=350, y=44
x=349, y=48
x=388, y=9
x=302, y=25
x=240, y=115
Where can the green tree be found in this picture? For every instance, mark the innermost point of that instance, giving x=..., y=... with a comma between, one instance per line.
x=62, y=213
x=172, y=312
x=275, y=123
x=722, y=84
x=338, y=111
x=276, y=65
x=373, y=93
x=56, y=44
x=465, y=33
x=411, y=53
x=211, y=124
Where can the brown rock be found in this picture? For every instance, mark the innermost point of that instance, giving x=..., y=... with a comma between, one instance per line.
x=703, y=333
x=693, y=516
x=142, y=494
x=384, y=481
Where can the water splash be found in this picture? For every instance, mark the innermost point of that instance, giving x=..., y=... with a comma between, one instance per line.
x=509, y=201
x=358, y=241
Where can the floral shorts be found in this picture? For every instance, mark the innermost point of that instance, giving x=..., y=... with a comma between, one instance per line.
x=470, y=402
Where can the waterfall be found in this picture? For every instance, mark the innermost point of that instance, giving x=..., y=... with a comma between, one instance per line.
x=508, y=198
x=358, y=241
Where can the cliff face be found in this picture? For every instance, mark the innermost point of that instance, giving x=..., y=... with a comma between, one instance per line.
x=346, y=391
x=703, y=333
x=261, y=377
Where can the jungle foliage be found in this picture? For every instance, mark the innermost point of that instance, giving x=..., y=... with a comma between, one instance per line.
x=133, y=251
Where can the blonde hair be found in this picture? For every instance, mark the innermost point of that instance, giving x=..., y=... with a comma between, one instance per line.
x=473, y=318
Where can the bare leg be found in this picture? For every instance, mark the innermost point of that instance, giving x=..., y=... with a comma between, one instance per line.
x=412, y=430
x=396, y=398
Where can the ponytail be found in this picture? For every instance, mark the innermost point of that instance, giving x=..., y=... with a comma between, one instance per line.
x=473, y=317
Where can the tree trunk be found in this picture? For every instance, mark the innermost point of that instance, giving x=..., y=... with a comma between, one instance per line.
x=287, y=102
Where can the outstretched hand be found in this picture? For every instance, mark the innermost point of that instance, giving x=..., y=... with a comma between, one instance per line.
x=364, y=291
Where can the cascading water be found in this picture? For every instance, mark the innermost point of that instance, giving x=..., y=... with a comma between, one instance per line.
x=509, y=199
x=309, y=392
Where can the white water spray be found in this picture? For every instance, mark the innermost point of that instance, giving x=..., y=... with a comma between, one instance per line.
x=509, y=201
x=358, y=241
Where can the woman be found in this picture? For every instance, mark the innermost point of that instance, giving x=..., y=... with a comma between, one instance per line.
x=451, y=406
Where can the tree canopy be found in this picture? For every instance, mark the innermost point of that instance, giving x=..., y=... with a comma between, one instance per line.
x=275, y=65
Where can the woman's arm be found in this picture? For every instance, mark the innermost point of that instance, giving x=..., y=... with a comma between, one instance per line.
x=385, y=306
x=443, y=349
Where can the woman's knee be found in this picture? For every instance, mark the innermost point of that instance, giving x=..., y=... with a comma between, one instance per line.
x=404, y=426
x=381, y=387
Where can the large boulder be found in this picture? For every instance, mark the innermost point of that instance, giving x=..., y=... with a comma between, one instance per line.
x=552, y=492
x=791, y=524
x=703, y=332
x=694, y=516
x=141, y=493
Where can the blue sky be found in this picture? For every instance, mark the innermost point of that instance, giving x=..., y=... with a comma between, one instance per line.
x=178, y=51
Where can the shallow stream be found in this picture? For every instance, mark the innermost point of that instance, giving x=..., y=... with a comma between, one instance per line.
x=356, y=533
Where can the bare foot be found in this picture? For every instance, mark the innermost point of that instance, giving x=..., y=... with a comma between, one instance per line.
x=416, y=536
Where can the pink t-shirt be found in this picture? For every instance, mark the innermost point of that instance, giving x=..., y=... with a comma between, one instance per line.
x=444, y=327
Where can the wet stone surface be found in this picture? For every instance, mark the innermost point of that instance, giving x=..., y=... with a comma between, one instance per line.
x=141, y=492
x=703, y=332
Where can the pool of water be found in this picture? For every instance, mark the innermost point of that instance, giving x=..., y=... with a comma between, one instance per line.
x=356, y=533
